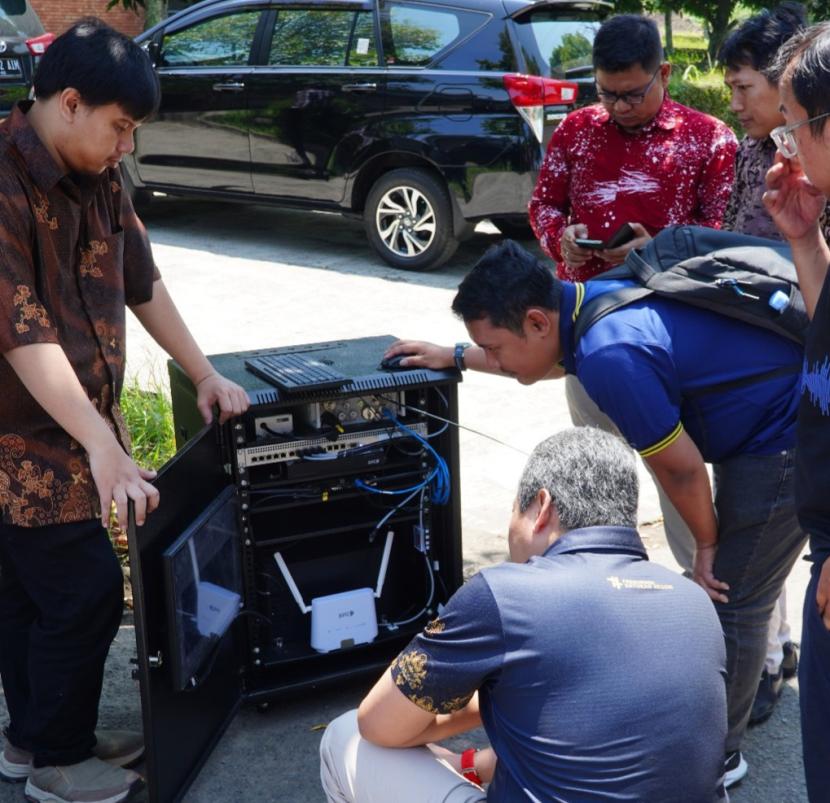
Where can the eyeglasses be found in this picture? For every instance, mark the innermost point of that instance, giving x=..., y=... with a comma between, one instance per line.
x=784, y=139
x=629, y=98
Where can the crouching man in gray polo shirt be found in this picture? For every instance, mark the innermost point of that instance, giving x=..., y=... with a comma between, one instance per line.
x=597, y=675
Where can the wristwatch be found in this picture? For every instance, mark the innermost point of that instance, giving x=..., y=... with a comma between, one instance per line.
x=458, y=355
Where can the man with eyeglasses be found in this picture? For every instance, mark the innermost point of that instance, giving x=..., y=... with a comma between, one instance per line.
x=636, y=157
x=746, y=56
x=799, y=183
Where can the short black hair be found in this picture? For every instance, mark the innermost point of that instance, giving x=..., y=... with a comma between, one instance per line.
x=503, y=285
x=626, y=40
x=804, y=61
x=755, y=42
x=103, y=65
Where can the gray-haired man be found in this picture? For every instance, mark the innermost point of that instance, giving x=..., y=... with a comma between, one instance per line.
x=579, y=657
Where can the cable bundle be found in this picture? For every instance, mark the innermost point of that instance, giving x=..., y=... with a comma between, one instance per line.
x=438, y=478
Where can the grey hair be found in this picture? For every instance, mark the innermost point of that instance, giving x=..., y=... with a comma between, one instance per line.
x=590, y=474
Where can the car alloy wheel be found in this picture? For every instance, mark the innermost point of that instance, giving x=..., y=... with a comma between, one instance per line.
x=405, y=221
x=409, y=219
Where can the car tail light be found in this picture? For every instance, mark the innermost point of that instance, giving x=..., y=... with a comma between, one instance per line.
x=38, y=44
x=531, y=93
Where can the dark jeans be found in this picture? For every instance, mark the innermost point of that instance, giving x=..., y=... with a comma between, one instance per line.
x=814, y=689
x=758, y=542
x=61, y=599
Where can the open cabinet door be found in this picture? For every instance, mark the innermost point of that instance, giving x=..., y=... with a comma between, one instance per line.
x=184, y=714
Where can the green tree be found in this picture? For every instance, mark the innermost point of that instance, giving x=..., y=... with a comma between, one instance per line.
x=155, y=10
x=718, y=20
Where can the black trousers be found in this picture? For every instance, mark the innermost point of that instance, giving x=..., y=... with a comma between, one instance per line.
x=61, y=600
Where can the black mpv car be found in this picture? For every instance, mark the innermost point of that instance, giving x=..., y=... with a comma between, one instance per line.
x=423, y=117
x=22, y=42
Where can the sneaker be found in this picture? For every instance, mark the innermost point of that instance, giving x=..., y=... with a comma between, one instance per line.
x=15, y=764
x=90, y=781
x=789, y=666
x=766, y=698
x=734, y=768
x=119, y=748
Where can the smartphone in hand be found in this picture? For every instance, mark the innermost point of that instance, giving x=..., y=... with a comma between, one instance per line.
x=583, y=242
x=621, y=236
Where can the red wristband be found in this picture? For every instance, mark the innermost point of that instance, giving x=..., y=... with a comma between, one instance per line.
x=468, y=766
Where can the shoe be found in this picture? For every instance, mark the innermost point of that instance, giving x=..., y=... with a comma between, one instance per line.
x=119, y=748
x=789, y=666
x=734, y=769
x=766, y=698
x=90, y=781
x=15, y=764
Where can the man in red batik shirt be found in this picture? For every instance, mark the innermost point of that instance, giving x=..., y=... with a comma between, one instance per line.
x=637, y=157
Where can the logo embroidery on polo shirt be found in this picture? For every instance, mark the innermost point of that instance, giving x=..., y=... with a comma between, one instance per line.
x=620, y=583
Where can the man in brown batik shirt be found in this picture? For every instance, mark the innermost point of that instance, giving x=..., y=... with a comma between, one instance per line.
x=73, y=255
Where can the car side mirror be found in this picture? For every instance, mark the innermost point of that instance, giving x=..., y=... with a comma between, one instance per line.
x=153, y=48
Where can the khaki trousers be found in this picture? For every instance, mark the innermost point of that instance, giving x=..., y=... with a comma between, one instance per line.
x=354, y=771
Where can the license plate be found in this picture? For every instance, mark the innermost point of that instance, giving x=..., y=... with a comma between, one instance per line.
x=10, y=68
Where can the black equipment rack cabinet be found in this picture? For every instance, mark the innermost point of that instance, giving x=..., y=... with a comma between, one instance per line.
x=299, y=464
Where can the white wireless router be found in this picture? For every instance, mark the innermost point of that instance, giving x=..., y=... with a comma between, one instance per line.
x=341, y=620
x=216, y=607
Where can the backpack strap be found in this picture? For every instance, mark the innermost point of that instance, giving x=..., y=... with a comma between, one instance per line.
x=601, y=305
x=746, y=381
x=637, y=266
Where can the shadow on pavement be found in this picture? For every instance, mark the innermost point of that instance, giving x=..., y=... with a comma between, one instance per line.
x=320, y=240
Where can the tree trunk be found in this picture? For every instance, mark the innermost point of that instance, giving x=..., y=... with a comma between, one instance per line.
x=667, y=12
x=719, y=27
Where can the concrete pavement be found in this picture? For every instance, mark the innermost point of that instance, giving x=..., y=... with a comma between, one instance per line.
x=249, y=277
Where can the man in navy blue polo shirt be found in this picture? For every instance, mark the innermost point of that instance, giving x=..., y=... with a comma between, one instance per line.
x=665, y=373
x=580, y=657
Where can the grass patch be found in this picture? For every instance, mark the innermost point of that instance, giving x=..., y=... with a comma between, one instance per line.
x=705, y=91
x=149, y=417
x=689, y=41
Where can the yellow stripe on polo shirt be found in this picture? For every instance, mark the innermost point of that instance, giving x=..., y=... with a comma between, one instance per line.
x=664, y=443
x=580, y=297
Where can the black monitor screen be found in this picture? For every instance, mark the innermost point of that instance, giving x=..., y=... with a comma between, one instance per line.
x=204, y=586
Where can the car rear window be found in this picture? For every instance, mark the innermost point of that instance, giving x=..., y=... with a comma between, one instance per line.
x=17, y=18
x=558, y=44
x=418, y=33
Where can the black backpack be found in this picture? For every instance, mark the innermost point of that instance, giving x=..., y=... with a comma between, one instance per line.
x=749, y=278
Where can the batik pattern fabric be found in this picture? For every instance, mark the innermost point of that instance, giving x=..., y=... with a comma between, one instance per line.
x=452, y=657
x=677, y=169
x=746, y=212
x=74, y=254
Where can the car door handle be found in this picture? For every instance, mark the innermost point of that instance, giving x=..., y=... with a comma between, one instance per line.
x=229, y=86
x=360, y=87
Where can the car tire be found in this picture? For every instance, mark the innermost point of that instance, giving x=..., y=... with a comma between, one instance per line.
x=514, y=229
x=409, y=221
